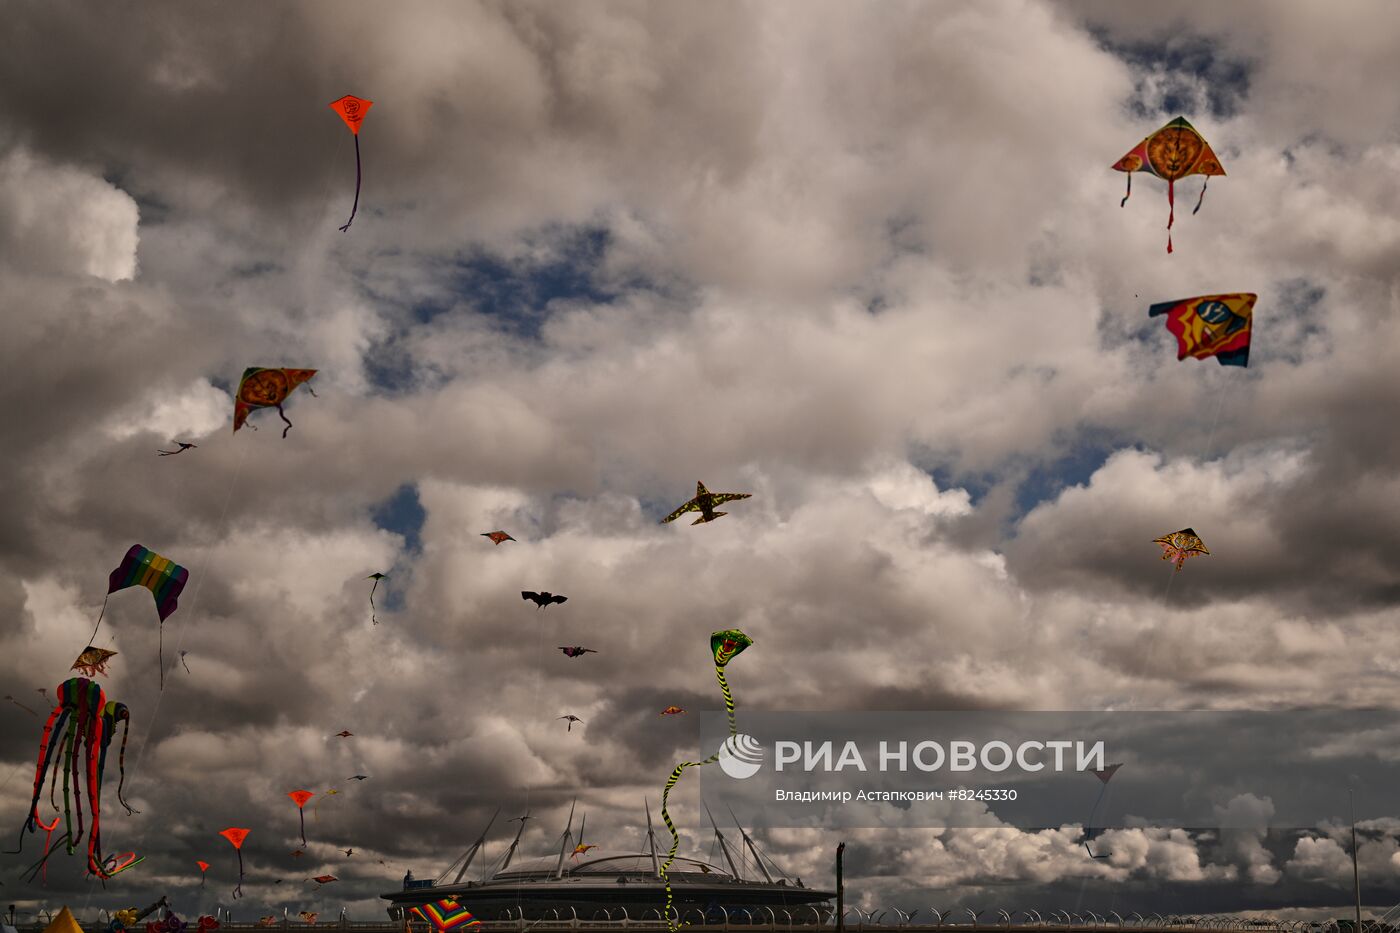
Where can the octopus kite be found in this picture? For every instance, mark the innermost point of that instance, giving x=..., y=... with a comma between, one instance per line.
x=724, y=646
x=115, y=714
x=704, y=503
x=80, y=707
x=1175, y=151
x=352, y=110
x=1180, y=545
x=261, y=387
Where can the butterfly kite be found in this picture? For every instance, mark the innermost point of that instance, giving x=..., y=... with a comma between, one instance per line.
x=1180, y=545
x=1211, y=325
x=235, y=836
x=163, y=577
x=261, y=387
x=497, y=537
x=93, y=661
x=1173, y=152
x=1104, y=776
x=352, y=110
x=445, y=915
x=299, y=797
x=704, y=503
x=376, y=577
x=724, y=647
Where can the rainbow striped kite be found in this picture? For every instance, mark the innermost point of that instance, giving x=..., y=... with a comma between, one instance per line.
x=163, y=577
x=445, y=915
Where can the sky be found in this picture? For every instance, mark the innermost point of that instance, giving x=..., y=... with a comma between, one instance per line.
x=864, y=261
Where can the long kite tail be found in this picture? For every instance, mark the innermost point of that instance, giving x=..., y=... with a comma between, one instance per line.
x=728, y=699
x=1202, y=198
x=121, y=764
x=286, y=419
x=356, y=206
x=302, y=814
x=238, y=889
x=675, y=836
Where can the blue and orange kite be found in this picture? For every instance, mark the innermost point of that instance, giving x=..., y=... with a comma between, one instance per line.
x=1211, y=325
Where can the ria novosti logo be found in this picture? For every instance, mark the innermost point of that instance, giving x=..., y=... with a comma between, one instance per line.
x=741, y=756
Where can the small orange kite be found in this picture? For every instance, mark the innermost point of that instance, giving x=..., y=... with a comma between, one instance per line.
x=352, y=110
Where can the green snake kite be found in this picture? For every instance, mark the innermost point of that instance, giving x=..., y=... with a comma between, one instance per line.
x=725, y=645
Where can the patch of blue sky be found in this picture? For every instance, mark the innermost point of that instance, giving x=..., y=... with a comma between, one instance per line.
x=1182, y=74
x=403, y=514
x=1047, y=479
x=1289, y=324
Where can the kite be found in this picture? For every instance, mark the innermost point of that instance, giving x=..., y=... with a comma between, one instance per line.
x=298, y=854
x=352, y=110
x=725, y=646
x=316, y=807
x=308, y=916
x=1211, y=325
x=80, y=705
x=93, y=661
x=376, y=577
x=358, y=777
x=445, y=915
x=48, y=829
x=183, y=447
x=267, y=921
x=300, y=797
x=672, y=711
x=1174, y=151
x=116, y=864
x=261, y=387
x=1090, y=834
x=572, y=719
x=542, y=599
x=576, y=651
x=348, y=852
x=182, y=660
x=704, y=503
x=1179, y=545
x=203, y=869
x=323, y=879
x=163, y=577
x=113, y=715
x=236, y=836
x=21, y=705
x=344, y=733
x=497, y=536
x=582, y=849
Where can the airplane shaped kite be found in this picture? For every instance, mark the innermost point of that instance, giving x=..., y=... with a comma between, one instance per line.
x=704, y=503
